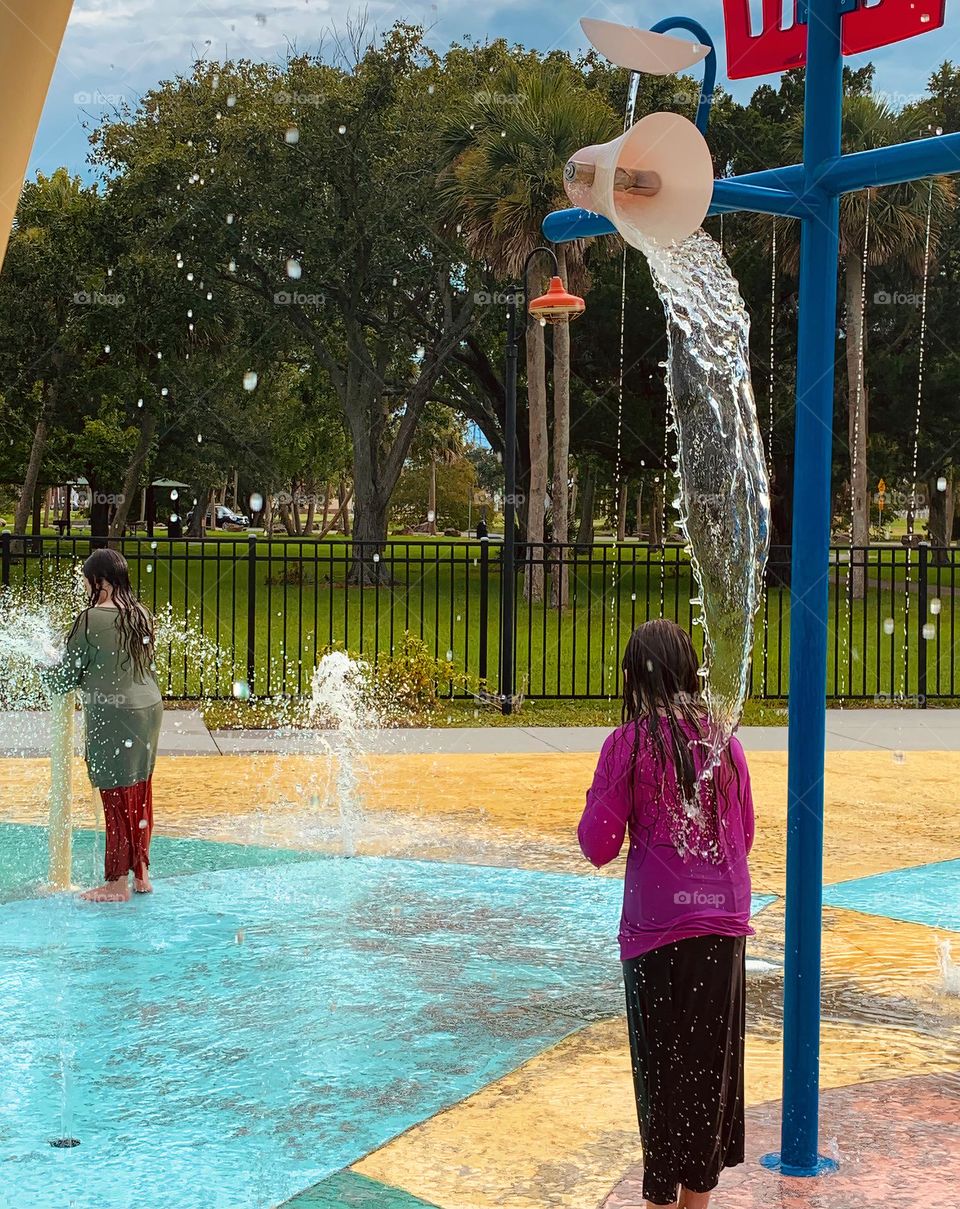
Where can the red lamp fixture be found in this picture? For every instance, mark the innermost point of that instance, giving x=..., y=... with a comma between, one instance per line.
x=557, y=305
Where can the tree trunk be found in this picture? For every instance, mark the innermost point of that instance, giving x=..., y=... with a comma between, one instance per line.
x=311, y=511
x=204, y=501
x=857, y=412
x=432, y=501
x=236, y=483
x=639, y=522
x=940, y=524
x=268, y=509
x=344, y=513
x=561, y=445
x=656, y=512
x=539, y=457
x=99, y=512
x=34, y=462
x=326, y=506
x=587, y=502
x=131, y=478
x=622, y=511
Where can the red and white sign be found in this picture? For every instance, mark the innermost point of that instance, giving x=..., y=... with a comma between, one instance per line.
x=782, y=42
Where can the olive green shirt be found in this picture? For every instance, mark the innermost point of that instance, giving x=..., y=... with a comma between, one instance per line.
x=122, y=706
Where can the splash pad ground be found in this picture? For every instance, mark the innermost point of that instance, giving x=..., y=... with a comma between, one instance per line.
x=438, y=1022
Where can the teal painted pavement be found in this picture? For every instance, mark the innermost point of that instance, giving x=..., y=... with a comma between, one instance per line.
x=348, y=1190
x=246, y=1033
x=23, y=858
x=926, y=894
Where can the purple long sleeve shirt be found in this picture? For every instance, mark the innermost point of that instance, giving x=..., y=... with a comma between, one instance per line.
x=683, y=878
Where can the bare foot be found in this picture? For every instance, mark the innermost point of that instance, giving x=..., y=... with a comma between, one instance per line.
x=143, y=885
x=109, y=892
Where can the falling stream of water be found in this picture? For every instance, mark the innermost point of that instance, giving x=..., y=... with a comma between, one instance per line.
x=724, y=499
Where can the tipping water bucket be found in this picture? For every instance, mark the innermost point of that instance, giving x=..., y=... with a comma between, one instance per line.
x=653, y=182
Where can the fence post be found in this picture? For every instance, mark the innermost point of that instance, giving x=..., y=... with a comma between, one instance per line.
x=251, y=610
x=5, y=560
x=923, y=551
x=484, y=605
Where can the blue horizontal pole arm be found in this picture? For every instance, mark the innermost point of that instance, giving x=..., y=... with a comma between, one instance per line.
x=937, y=156
x=734, y=193
x=729, y=195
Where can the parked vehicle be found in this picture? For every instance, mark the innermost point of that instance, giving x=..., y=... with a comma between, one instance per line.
x=226, y=519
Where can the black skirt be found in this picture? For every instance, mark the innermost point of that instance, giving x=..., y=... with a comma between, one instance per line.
x=686, y=1016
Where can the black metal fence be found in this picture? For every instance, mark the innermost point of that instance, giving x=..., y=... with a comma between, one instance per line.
x=270, y=607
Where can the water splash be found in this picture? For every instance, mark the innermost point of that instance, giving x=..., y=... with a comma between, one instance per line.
x=724, y=499
x=949, y=968
x=340, y=697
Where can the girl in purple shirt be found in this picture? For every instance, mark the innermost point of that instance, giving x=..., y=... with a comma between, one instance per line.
x=686, y=912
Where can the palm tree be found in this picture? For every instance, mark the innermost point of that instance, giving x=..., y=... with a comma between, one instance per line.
x=878, y=227
x=506, y=154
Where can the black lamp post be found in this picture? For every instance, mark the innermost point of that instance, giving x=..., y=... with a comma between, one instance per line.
x=556, y=306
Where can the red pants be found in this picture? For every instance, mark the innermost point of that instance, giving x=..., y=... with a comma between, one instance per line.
x=128, y=813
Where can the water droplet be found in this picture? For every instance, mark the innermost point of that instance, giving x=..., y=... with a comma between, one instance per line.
x=106, y=348
x=229, y=219
x=250, y=380
x=941, y=483
x=935, y=606
x=153, y=545
x=190, y=313
x=209, y=296
x=139, y=402
x=189, y=277
x=128, y=742
x=174, y=494
x=449, y=656
x=341, y=130
x=241, y=690
x=142, y=824
x=231, y=101
x=898, y=757
x=149, y=568
x=431, y=516
x=232, y=266
x=888, y=625
x=430, y=89
x=173, y=518
x=199, y=438
x=394, y=281
x=376, y=558
x=165, y=391
x=292, y=136
x=294, y=269
x=256, y=501
x=929, y=631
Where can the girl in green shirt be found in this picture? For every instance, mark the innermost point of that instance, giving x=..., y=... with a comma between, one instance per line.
x=109, y=659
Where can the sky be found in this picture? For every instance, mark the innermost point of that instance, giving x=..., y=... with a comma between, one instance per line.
x=115, y=50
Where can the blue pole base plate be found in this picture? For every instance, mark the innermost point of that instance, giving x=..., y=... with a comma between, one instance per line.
x=823, y=1165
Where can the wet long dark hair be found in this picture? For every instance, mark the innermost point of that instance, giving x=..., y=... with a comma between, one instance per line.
x=661, y=688
x=134, y=624
x=662, y=696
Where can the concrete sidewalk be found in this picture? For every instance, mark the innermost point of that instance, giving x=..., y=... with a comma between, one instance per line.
x=184, y=733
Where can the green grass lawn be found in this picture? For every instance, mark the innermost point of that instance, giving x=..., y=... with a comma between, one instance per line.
x=303, y=602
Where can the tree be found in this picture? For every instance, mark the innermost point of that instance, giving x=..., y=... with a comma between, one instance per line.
x=507, y=150
x=49, y=279
x=318, y=174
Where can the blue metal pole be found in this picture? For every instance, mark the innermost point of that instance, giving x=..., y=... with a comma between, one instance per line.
x=709, y=64
x=809, y=612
